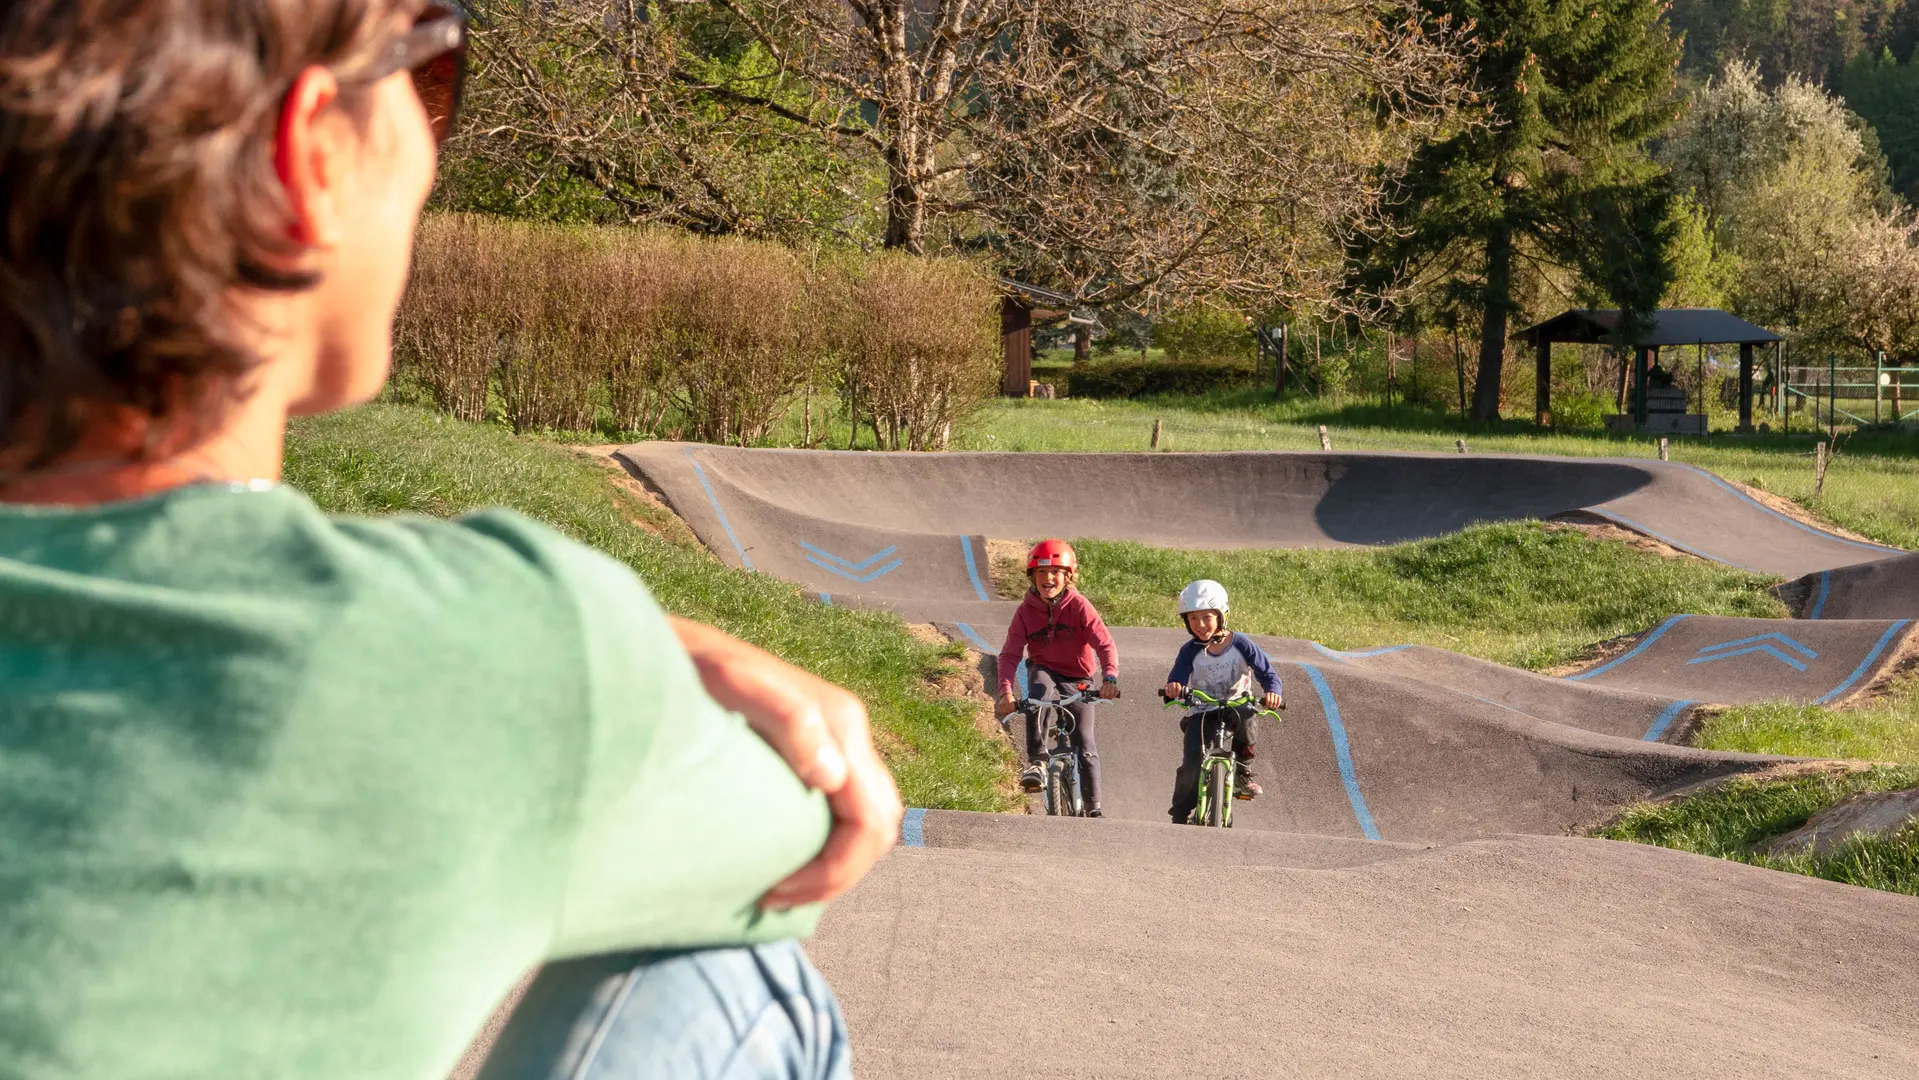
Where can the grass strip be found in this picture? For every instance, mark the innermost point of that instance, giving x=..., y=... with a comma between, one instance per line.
x=1733, y=819
x=386, y=459
x=1882, y=728
x=1520, y=593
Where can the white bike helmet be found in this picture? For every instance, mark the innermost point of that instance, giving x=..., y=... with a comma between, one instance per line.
x=1205, y=595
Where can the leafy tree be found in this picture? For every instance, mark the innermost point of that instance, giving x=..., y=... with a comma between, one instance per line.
x=1555, y=176
x=1791, y=186
x=1122, y=150
x=1813, y=39
x=1886, y=93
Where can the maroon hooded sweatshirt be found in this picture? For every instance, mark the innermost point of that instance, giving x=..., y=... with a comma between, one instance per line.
x=1063, y=636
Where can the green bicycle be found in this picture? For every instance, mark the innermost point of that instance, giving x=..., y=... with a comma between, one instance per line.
x=1218, y=770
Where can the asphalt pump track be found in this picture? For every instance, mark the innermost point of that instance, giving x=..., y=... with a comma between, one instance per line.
x=1411, y=894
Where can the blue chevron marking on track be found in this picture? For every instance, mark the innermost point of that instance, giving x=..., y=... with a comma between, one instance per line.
x=853, y=566
x=1790, y=661
x=1799, y=647
x=861, y=578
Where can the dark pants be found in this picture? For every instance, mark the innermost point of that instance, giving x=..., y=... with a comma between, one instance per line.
x=1048, y=686
x=1186, y=780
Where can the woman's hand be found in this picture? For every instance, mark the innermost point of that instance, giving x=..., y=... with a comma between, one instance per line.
x=1272, y=701
x=1109, y=689
x=1004, y=706
x=821, y=731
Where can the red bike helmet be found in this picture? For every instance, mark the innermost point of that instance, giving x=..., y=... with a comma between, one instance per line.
x=1052, y=553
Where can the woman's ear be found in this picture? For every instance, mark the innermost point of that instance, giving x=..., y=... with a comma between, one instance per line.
x=306, y=156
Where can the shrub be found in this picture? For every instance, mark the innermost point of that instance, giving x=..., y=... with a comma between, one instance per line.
x=918, y=344
x=1204, y=332
x=1146, y=378
x=1581, y=411
x=655, y=332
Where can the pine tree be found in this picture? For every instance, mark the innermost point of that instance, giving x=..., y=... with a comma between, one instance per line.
x=1572, y=89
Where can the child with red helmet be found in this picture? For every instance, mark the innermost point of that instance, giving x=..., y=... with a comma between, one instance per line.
x=1061, y=637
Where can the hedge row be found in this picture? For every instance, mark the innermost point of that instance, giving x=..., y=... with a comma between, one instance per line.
x=1145, y=378
x=662, y=333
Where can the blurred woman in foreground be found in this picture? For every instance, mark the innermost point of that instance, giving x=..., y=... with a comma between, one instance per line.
x=284, y=795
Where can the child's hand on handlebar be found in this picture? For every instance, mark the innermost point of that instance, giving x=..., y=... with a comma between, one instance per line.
x=1273, y=702
x=1171, y=690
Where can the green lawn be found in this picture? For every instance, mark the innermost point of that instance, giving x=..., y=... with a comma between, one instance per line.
x=1519, y=593
x=1732, y=820
x=389, y=459
x=1872, y=487
x=1884, y=728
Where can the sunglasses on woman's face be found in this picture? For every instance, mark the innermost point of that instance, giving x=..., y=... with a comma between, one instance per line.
x=434, y=51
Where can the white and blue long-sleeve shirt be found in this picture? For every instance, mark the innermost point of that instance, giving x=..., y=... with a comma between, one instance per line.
x=1228, y=674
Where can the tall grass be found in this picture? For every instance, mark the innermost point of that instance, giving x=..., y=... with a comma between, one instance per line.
x=656, y=333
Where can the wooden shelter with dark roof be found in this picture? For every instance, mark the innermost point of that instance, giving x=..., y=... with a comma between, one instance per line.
x=1020, y=305
x=1670, y=327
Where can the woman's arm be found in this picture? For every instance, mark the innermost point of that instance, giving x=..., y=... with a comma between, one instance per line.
x=822, y=733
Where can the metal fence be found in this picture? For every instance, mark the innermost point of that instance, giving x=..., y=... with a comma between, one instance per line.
x=1876, y=393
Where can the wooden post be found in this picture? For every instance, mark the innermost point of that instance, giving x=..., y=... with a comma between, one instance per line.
x=1325, y=440
x=1665, y=448
x=1082, y=344
x=1898, y=375
x=1819, y=459
x=1643, y=359
x=1878, y=372
x=1745, y=387
x=1279, y=364
x=1155, y=442
x=1832, y=395
x=1542, y=392
x=1459, y=366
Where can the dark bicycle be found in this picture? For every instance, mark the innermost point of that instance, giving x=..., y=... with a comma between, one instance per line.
x=1063, y=795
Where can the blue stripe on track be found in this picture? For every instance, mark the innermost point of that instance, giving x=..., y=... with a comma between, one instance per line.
x=972, y=567
x=714, y=499
x=913, y=828
x=1664, y=720
x=1347, y=655
x=1825, y=589
x=1866, y=664
x=1787, y=518
x=1636, y=650
x=1341, y=750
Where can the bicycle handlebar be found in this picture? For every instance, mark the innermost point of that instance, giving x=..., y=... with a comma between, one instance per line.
x=1193, y=698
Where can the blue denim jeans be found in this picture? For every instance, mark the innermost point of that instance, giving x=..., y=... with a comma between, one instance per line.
x=759, y=1013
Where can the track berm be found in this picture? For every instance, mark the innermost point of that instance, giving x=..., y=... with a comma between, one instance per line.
x=1412, y=894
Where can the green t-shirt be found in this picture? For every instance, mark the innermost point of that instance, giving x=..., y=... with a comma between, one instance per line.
x=291, y=796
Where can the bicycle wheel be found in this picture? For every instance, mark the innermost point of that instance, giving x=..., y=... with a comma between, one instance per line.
x=1056, y=803
x=1075, y=799
x=1216, y=795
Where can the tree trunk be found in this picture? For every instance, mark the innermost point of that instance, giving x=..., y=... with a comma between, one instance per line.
x=1492, y=334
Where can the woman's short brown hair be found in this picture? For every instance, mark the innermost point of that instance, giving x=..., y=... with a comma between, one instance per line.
x=137, y=189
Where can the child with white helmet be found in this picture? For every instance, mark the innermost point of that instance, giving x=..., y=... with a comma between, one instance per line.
x=1224, y=665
